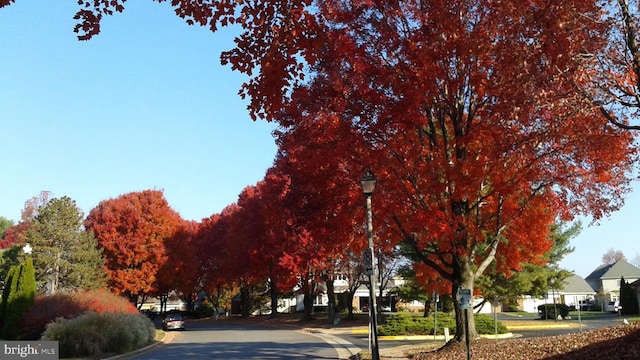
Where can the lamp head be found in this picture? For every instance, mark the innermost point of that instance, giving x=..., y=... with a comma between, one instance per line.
x=368, y=183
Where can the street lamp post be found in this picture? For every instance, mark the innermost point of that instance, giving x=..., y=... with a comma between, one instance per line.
x=368, y=183
x=553, y=294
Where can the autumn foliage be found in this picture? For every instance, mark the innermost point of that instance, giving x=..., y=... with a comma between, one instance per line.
x=70, y=305
x=132, y=229
x=471, y=114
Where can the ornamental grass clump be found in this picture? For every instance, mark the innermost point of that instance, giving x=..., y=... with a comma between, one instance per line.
x=93, y=334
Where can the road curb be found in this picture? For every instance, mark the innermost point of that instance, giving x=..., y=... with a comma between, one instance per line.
x=344, y=348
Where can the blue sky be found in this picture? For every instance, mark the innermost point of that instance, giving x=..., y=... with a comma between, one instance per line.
x=146, y=105
x=143, y=105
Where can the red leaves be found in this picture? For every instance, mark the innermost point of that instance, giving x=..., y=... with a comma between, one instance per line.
x=4, y=3
x=132, y=229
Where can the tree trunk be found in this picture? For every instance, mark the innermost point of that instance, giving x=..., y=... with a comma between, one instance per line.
x=331, y=294
x=164, y=298
x=427, y=306
x=244, y=299
x=273, y=291
x=463, y=279
x=350, y=296
x=308, y=306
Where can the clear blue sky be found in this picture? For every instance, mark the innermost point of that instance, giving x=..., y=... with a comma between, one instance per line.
x=146, y=105
x=143, y=105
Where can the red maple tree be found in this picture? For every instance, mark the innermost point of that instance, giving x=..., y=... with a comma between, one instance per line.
x=473, y=127
x=182, y=270
x=133, y=230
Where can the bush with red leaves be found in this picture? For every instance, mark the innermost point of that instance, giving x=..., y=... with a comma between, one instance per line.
x=48, y=308
x=615, y=342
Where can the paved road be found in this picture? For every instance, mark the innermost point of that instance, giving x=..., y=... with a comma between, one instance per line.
x=229, y=340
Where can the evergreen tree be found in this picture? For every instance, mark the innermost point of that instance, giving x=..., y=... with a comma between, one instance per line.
x=4, y=225
x=628, y=299
x=533, y=279
x=8, y=258
x=66, y=256
x=17, y=297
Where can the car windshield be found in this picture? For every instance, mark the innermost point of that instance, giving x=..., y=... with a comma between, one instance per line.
x=174, y=317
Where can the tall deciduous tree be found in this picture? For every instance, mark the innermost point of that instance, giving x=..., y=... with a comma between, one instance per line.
x=471, y=123
x=66, y=257
x=612, y=256
x=16, y=234
x=614, y=73
x=132, y=229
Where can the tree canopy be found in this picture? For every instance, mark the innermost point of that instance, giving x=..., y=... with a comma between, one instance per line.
x=132, y=229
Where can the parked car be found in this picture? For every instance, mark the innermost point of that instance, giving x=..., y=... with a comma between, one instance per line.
x=386, y=308
x=173, y=322
x=551, y=311
x=589, y=305
x=613, y=306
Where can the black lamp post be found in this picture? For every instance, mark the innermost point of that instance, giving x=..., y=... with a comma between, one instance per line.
x=368, y=183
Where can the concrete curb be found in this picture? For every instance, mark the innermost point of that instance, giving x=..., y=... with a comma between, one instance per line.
x=344, y=348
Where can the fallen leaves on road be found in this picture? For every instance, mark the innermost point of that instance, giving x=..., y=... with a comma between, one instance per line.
x=616, y=342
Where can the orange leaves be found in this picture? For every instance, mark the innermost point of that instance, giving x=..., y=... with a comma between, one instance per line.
x=132, y=229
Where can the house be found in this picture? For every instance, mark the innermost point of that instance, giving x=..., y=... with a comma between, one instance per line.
x=573, y=290
x=605, y=280
x=576, y=290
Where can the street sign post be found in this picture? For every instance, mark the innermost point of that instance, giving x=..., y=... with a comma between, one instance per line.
x=464, y=298
x=464, y=303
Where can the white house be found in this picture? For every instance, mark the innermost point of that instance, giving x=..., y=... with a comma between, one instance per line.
x=605, y=280
x=573, y=290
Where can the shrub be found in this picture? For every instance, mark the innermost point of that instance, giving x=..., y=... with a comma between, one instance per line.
x=48, y=308
x=485, y=324
x=94, y=334
x=102, y=301
x=205, y=309
x=406, y=324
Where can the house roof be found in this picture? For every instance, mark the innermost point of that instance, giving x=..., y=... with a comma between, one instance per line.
x=576, y=284
x=614, y=271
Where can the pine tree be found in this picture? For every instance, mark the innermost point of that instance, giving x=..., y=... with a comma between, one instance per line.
x=66, y=256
